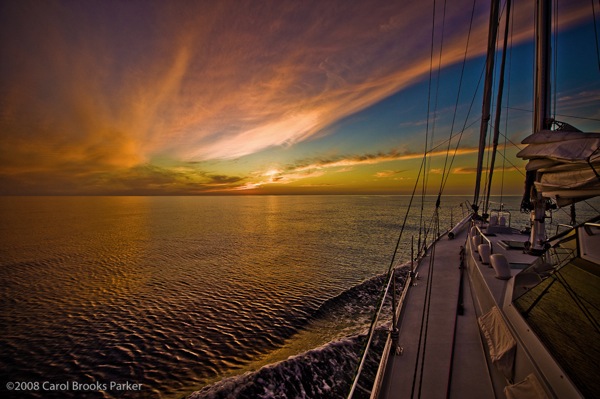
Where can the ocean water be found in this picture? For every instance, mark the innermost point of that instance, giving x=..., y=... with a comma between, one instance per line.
x=159, y=297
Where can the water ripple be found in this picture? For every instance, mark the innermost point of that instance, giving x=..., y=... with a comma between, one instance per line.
x=174, y=293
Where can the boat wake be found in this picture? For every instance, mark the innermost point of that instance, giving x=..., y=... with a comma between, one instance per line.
x=321, y=372
x=326, y=371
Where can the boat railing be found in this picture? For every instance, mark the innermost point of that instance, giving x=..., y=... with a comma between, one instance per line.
x=372, y=330
x=397, y=307
x=558, y=226
x=594, y=222
x=392, y=338
x=392, y=334
x=483, y=237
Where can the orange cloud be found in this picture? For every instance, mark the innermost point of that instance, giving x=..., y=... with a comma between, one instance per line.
x=387, y=173
x=205, y=80
x=471, y=171
x=316, y=168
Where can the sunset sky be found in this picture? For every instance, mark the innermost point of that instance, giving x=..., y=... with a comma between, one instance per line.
x=261, y=97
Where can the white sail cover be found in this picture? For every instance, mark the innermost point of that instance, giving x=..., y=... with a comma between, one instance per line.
x=501, y=344
x=529, y=388
x=567, y=164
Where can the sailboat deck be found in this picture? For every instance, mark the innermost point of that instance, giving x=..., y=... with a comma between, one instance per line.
x=424, y=368
x=517, y=259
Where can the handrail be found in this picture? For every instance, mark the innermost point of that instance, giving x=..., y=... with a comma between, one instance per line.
x=595, y=221
x=381, y=370
x=370, y=339
x=408, y=283
x=485, y=238
x=413, y=275
x=568, y=226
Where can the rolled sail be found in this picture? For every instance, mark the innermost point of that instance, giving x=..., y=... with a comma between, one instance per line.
x=566, y=164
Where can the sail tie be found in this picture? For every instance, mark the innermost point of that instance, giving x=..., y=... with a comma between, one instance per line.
x=589, y=161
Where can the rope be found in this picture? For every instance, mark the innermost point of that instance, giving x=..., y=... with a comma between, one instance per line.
x=422, y=344
x=426, y=315
x=460, y=310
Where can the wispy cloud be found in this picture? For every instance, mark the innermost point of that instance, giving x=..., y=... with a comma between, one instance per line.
x=387, y=174
x=102, y=88
x=376, y=158
x=464, y=171
x=304, y=169
x=472, y=171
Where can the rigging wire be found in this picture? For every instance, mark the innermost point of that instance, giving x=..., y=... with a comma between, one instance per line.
x=438, y=72
x=495, y=100
x=592, y=206
x=487, y=171
x=422, y=172
x=508, y=85
x=462, y=74
x=425, y=314
x=563, y=210
x=578, y=302
x=425, y=174
x=506, y=138
x=485, y=109
x=390, y=272
x=498, y=105
x=437, y=91
x=596, y=33
x=554, y=66
x=560, y=325
x=561, y=115
x=465, y=127
x=513, y=165
x=426, y=311
x=435, y=226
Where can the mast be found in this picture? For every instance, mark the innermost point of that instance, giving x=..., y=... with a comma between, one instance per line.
x=541, y=99
x=487, y=97
x=498, y=107
x=541, y=116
